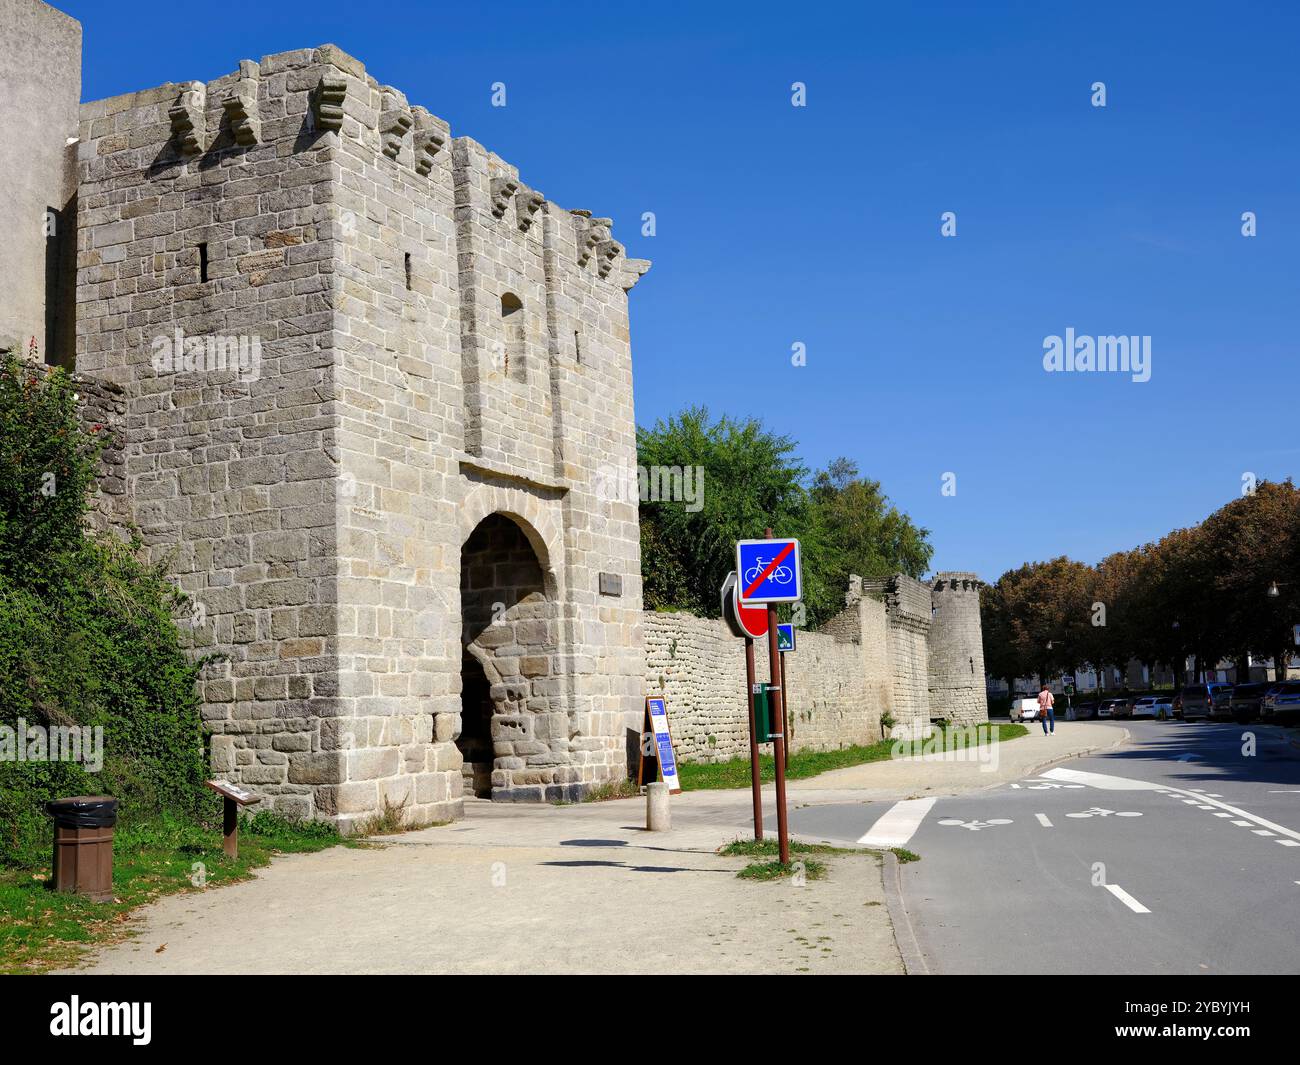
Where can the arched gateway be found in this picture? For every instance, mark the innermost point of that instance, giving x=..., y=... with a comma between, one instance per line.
x=515, y=724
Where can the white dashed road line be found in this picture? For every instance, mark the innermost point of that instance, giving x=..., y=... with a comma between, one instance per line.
x=1127, y=899
x=1112, y=783
x=1043, y=820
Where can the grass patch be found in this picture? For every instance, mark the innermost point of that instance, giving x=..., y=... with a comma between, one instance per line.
x=42, y=929
x=904, y=855
x=612, y=789
x=388, y=822
x=811, y=868
x=735, y=773
x=755, y=848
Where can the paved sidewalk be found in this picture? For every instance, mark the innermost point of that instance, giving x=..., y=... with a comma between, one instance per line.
x=570, y=889
x=526, y=889
x=956, y=774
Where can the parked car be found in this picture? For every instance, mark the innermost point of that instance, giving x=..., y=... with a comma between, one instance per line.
x=1161, y=706
x=1200, y=700
x=1023, y=710
x=1246, y=698
x=1084, y=711
x=1114, y=707
x=1281, y=701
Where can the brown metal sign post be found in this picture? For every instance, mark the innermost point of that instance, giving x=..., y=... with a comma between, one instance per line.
x=785, y=705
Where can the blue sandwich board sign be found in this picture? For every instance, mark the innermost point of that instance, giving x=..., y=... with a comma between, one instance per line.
x=785, y=637
x=769, y=571
x=657, y=712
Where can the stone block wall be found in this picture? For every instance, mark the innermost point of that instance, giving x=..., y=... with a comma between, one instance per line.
x=956, y=665
x=907, y=605
x=835, y=696
x=882, y=657
x=383, y=339
x=40, y=72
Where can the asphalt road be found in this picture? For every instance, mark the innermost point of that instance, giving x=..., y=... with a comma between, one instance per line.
x=1178, y=852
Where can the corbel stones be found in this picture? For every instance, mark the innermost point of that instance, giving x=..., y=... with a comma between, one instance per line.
x=503, y=188
x=431, y=135
x=591, y=234
x=607, y=251
x=633, y=271
x=527, y=203
x=240, y=105
x=394, y=123
x=331, y=94
x=188, y=124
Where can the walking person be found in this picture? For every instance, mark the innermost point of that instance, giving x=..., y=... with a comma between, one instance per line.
x=1045, y=711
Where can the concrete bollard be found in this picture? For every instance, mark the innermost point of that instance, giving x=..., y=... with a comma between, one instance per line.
x=657, y=817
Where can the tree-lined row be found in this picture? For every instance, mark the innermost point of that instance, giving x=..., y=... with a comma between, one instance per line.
x=1224, y=589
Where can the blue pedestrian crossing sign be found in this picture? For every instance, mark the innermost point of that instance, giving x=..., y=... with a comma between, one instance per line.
x=769, y=571
x=785, y=637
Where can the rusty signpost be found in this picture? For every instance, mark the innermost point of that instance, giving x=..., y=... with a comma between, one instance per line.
x=768, y=573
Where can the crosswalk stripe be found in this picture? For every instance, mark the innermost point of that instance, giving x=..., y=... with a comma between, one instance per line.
x=898, y=825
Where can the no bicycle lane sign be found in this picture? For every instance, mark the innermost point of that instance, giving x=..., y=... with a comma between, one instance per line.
x=769, y=571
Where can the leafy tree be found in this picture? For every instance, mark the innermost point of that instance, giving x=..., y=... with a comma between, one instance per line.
x=86, y=630
x=861, y=531
x=753, y=481
x=1035, y=619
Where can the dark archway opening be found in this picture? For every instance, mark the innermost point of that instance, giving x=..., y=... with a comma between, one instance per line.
x=504, y=652
x=475, y=742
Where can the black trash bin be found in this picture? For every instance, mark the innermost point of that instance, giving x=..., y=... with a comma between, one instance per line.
x=83, y=844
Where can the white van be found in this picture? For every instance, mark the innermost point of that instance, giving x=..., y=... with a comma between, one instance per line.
x=1024, y=709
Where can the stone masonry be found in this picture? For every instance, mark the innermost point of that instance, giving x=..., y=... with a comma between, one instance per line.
x=40, y=90
x=346, y=339
x=956, y=663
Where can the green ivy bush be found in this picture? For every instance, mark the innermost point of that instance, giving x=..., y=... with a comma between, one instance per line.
x=87, y=636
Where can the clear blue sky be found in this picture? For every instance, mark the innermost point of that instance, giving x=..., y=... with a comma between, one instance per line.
x=821, y=224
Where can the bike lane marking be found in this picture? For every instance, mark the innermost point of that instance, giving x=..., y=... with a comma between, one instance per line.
x=1111, y=783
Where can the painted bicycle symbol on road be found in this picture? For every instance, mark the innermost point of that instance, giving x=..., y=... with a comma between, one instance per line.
x=1097, y=811
x=780, y=575
x=975, y=826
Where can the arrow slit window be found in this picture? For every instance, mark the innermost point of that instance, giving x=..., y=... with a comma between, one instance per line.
x=512, y=324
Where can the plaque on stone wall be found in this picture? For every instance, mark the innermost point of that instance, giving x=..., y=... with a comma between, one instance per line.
x=611, y=584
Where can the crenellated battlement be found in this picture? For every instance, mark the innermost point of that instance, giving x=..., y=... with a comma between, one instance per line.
x=292, y=103
x=955, y=583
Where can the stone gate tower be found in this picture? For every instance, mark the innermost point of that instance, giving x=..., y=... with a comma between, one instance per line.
x=375, y=384
x=956, y=675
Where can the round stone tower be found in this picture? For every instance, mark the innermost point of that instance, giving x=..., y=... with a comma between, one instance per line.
x=956, y=649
